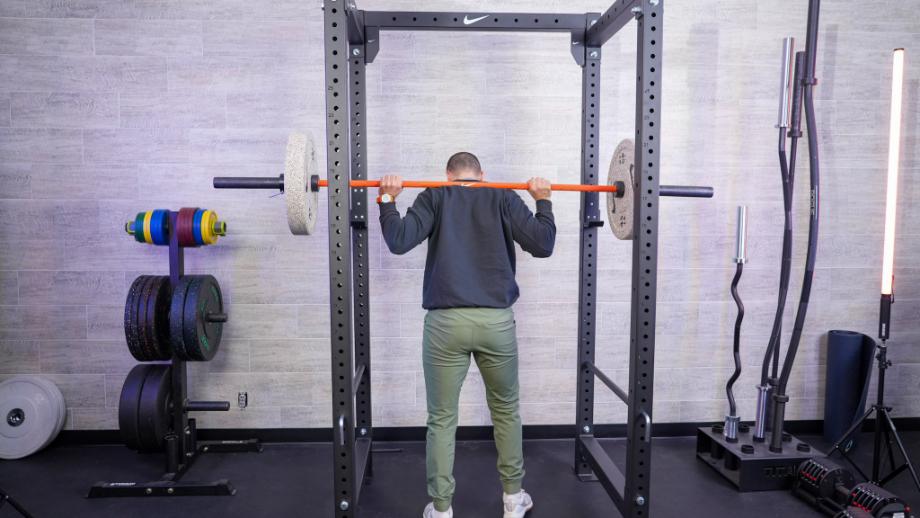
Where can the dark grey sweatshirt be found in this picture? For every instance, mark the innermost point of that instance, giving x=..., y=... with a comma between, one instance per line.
x=471, y=235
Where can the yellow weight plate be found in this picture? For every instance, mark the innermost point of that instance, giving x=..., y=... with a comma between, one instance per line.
x=208, y=219
x=147, y=217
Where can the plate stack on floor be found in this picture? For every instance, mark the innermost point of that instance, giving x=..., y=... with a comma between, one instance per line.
x=32, y=414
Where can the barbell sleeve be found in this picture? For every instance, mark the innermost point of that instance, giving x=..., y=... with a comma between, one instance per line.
x=208, y=406
x=217, y=318
x=269, y=182
x=785, y=87
x=685, y=191
x=741, y=245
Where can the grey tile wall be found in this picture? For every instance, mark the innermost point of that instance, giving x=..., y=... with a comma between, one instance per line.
x=110, y=107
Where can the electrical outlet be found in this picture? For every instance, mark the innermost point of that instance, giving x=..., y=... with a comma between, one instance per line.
x=242, y=400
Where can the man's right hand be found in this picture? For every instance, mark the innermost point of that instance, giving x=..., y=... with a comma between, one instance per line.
x=539, y=188
x=391, y=184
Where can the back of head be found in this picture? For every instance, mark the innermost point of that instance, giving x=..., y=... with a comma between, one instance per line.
x=464, y=165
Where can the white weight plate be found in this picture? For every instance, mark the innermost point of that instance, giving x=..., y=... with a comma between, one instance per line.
x=299, y=166
x=620, y=208
x=58, y=398
x=29, y=417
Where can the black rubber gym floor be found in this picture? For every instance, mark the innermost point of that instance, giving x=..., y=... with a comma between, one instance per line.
x=295, y=480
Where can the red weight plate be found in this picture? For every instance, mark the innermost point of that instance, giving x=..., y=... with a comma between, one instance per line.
x=184, y=226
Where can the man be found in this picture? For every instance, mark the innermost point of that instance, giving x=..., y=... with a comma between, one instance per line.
x=468, y=290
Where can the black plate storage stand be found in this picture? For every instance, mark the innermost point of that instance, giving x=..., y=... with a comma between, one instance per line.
x=181, y=443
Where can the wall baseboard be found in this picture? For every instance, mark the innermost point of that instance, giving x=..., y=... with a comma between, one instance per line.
x=464, y=433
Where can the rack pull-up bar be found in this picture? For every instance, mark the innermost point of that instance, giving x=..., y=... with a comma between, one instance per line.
x=683, y=191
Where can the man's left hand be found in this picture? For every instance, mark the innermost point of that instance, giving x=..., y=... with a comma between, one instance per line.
x=391, y=184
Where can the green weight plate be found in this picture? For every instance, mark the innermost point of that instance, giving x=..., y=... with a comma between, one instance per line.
x=128, y=406
x=139, y=227
x=132, y=331
x=156, y=310
x=176, y=315
x=153, y=408
x=201, y=336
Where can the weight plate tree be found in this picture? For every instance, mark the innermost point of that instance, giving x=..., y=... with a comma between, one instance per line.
x=178, y=318
x=32, y=412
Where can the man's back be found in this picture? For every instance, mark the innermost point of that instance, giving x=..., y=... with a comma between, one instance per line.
x=471, y=234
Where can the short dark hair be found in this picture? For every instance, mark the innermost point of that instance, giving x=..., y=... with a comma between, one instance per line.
x=464, y=161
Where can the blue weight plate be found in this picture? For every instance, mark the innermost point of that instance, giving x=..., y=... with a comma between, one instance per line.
x=159, y=227
x=196, y=227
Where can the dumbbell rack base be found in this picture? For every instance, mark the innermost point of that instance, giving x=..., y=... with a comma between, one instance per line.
x=181, y=444
x=761, y=470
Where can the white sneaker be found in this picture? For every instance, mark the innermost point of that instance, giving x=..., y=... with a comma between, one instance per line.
x=431, y=512
x=517, y=505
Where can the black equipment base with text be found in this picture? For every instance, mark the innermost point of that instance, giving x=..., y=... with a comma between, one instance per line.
x=749, y=465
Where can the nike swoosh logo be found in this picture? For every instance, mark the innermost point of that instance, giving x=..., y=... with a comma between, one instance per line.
x=470, y=21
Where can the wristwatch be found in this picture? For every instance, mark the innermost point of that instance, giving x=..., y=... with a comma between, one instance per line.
x=385, y=198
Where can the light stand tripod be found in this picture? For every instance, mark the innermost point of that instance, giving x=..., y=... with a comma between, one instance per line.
x=16, y=506
x=884, y=425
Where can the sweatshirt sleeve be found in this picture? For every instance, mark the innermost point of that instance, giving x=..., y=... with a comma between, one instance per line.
x=404, y=234
x=535, y=233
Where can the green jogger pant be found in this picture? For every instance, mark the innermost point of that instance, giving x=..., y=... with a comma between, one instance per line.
x=451, y=336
